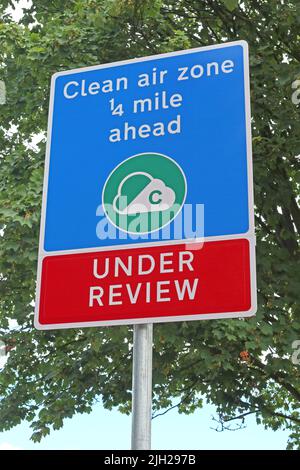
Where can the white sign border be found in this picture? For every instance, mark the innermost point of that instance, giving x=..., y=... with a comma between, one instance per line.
x=250, y=234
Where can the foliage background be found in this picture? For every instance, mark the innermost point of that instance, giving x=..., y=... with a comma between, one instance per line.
x=242, y=366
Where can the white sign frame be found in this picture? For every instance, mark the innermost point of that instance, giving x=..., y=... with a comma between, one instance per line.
x=249, y=235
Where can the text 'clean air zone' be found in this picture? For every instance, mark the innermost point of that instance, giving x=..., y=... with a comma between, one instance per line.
x=158, y=101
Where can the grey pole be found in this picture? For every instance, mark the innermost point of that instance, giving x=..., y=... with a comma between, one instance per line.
x=142, y=387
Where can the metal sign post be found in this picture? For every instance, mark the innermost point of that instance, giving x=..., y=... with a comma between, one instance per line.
x=142, y=387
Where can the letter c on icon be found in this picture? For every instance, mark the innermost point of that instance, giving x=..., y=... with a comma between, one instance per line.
x=154, y=197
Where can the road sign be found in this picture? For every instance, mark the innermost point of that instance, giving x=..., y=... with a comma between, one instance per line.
x=148, y=198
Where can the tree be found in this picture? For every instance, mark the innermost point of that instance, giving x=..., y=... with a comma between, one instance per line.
x=242, y=366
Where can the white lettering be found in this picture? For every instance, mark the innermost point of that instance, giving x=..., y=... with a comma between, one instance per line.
x=188, y=261
x=164, y=262
x=95, y=294
x=141, y=269
x=113, y=294
x=126, y=269
x=66, y=89
x=215, y=66
x=183, y=71
x=133, y=296
x=198, y=74
x=95, y=269
x=94, y=88
x=227, y=66
x=181, y=290
x=161, y=291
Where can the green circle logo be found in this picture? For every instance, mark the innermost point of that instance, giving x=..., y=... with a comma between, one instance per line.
x=144, y=193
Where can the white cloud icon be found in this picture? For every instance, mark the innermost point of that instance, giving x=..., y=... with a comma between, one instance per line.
x=155, y=196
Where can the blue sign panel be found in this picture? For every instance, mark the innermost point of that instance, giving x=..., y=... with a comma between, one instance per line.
x=185, y=115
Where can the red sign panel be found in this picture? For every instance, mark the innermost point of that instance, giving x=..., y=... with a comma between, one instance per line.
x=154, y=284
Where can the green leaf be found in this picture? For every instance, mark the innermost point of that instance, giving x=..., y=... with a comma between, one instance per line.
x=231, y=4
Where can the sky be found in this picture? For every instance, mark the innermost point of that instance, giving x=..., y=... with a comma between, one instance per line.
x=103, y=429
x=110, y=430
